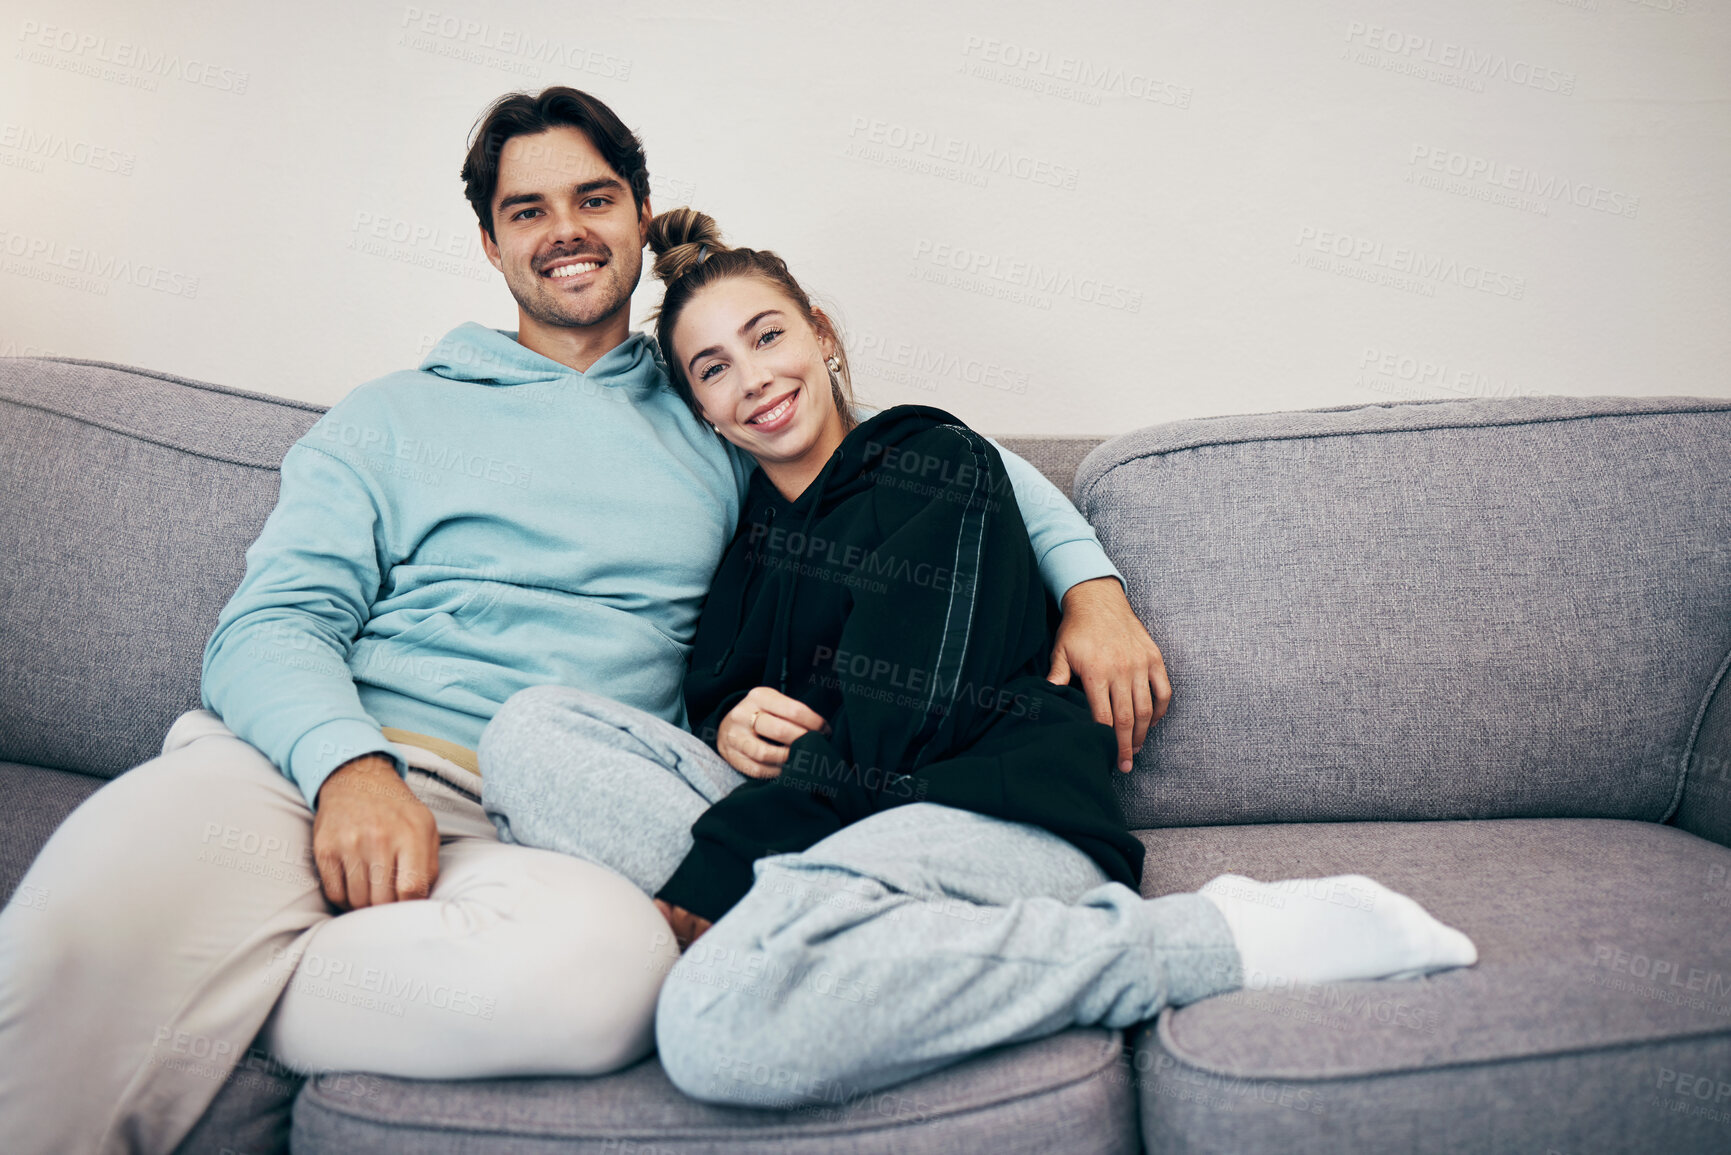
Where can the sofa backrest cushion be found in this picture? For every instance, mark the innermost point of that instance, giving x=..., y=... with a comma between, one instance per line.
x=1055, y=457
x=1450, y=609
x=127, y=501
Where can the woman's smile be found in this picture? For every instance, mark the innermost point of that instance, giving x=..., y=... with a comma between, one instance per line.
x=777, y=416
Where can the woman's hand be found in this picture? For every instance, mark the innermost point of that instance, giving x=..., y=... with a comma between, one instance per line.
x=1102, y=643
x=755, y=735
x=687, y=927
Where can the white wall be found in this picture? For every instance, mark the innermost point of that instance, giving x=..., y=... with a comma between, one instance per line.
x=1066, y=218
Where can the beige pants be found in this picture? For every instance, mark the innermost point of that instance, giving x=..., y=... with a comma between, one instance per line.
x=175, y=908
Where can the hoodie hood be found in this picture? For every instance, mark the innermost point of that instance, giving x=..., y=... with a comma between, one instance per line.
x=483, y=356
x=847, y=473
x=865, y=449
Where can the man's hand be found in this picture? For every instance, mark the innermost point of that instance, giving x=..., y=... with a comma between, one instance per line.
x=373, y=841
x=1101, y=640
x=687, y=927
x=755, y=735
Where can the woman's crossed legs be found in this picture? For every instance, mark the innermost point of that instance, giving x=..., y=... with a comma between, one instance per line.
x=911, y=939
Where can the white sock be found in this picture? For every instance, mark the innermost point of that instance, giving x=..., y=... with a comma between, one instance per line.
x=1330, y=930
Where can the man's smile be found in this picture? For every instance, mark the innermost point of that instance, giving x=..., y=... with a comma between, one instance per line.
x=564, y=268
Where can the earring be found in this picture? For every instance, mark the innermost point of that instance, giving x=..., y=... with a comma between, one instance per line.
x=834, y=364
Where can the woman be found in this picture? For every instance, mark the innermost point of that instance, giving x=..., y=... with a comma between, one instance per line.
x=877, y=632
x=888, y=798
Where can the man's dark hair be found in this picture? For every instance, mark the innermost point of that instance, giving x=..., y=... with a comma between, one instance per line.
x=520, y=114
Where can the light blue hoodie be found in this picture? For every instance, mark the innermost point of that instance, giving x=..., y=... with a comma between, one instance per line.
x=494, y=520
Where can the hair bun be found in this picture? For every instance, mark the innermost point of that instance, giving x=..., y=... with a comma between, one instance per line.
x=678, y=237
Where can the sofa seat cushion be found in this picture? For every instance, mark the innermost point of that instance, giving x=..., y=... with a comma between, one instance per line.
x=1063, y=1093
x=1599, y=1011
x=37, y=802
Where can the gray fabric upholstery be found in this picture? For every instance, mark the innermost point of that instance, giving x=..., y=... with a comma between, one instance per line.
x=1055, y=1095
x=1557, y=1038
x=212, y=421
x=1602, y=1102
x=253, y=1110
x=1457, y=609
x=1706, y=806
x=37, y=801
x=130, y=500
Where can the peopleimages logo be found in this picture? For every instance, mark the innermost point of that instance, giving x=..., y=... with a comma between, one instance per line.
x=464, y=243
x=85, y=50
x=1424, y=268
x=457, y=253
x=15, y=349
x=1391, y=370
x=1067, y=77
x=468, y=38
x=58, y=146
x=883, y=141
x=449, y=458
x=923, y=362
x=1542, y=186
x=1023, y=277
x=91, y=269
x=1411, y=50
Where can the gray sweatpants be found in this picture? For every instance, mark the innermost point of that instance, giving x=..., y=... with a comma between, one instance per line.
x=896, y=946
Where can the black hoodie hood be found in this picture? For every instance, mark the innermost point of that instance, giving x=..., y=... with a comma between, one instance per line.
x=779, y=547
x=870, y=446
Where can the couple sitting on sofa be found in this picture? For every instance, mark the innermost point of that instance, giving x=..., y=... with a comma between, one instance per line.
x=892, y=843
x=941, y=863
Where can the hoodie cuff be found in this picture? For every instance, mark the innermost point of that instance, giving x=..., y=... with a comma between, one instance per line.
x=1072, y=563
x=330, y=744
x=709, y=883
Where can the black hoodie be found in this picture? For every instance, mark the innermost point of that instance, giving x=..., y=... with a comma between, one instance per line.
x=899, y=598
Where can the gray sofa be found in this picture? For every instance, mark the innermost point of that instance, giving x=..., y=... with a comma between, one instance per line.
x=1476, y=649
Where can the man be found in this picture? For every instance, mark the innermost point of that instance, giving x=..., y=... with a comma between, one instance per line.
x=528, y=509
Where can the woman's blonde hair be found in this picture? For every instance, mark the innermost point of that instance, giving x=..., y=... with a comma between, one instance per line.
x=689, y=256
